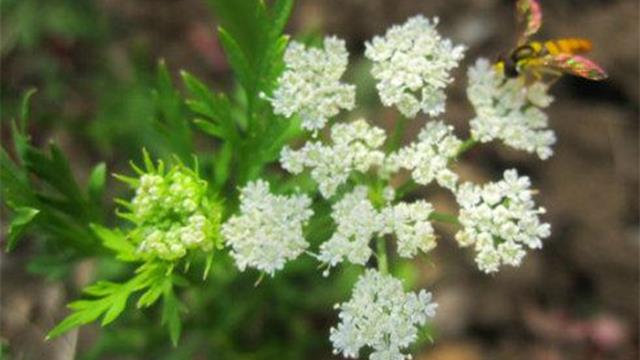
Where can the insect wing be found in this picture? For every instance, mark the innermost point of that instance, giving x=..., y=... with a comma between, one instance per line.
x=575, y=65
x=529, y=17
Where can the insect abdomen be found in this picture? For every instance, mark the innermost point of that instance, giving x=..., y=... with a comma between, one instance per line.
x=568, y=46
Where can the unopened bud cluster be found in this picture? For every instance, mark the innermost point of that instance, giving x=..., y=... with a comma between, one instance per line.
x=172, y=213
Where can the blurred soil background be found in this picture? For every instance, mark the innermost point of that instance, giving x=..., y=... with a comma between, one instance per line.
x=93, y=64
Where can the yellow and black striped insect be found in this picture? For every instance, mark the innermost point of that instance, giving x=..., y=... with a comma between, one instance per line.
x=552, y=57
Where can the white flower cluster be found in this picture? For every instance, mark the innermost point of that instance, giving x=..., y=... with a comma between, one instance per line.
x=410, y=223
x=268, y=231
x=380, y=315
x=355, y=148
x=358, y=222
x=429, y=157
x=310, y=85
x=412, y=63
x=500, y=219
x=510, y=110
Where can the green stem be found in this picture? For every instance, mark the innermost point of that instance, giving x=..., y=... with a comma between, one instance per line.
x=411, y=185
x=406, y=188
x=445, y=218
x=383, y=265
x=466, y=146
x=398, y=132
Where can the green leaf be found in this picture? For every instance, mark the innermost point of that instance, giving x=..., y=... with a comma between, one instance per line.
x=154, y=292
x=238, y=60
x=207, y=267
x=170, y=114
x=215, y=107
x=171, y=315
x=222, y=166
x=281, y=11
x=100, y=288
x=55, y=171
x=118, y=304
x=22, y=218
x=245, y=21
x=111, y=300
x=16, y=189
x=72, y=321
x=209, y=128
x=116, y=241
x=148, y=163
x=25, y=108
x=97, y=180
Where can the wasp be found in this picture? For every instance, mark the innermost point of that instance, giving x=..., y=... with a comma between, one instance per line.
x=552, y=57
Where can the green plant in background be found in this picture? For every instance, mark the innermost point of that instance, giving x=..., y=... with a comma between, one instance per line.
x=340, y=196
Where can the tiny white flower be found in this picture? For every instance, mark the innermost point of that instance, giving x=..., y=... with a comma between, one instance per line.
x=268, y=231
x=500, y=220
x=310, y=85
x=509, y=110
x=355, y=148
x=412, y=64
x=410, y=223
x=357, y=222
x=381, y=316
x=428, y=158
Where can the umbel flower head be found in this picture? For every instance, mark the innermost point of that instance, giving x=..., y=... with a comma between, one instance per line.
x=358, y=222
x=410, y=223
x=380, y=315
x=428, y=159
x=310, y=85
x=500, y=220
x=171, y=211
x=412, y=64
x=355, y=148
x=268, y=231
x=509, y=110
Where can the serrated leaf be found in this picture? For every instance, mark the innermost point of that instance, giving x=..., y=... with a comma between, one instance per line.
x=100, y=288
x=154, y=292
x=215, y=107
x=170, y=114
x=55, y=171
x=72, y=321
x=117, y=307
x=115, y=240
x=22, y=218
